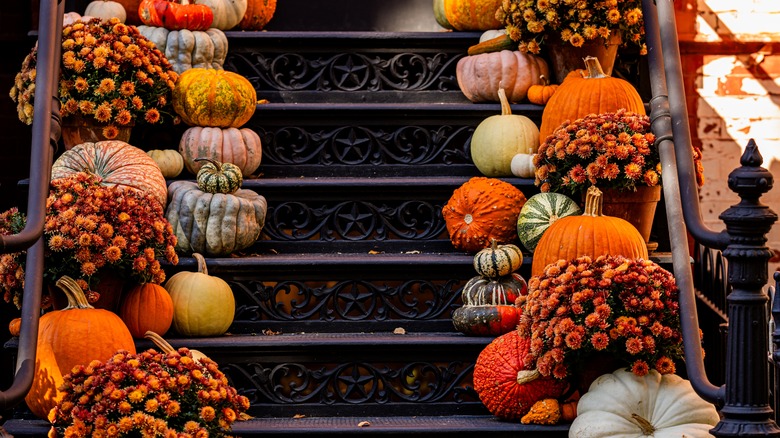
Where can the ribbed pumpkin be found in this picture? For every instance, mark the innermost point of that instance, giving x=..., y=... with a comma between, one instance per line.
x=481, y=76
x=591, y=234
x=188, y=49
x=227, y=13
x=209, y=97
x=481, y=288
x=497, y=139
x=540, y=94
x=169, y=161
x=75, y=335
x=214, y=224
x=146, y=307
x=116, y=163
x=105, y=9
x=488, y=305
x=539, y=212
x=472, y=14
x=506, y=385
x=203, y=305
x=480, y=210
x=258, y=14
x=241, y=147
x=217, y=177
x=595, y=93
x=175, y=14
x=498, y=260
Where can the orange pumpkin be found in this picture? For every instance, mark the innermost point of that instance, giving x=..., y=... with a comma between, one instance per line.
x=480, y=210
x=116, y=163
x=175, y=14
x=15, y=326
x=472, y=14
x=75, y=335
x=591, y=234
x=540, y=94
x=147, y=307
x=595, y=93
x=241, y=147
x=480, y=76
x=258, y=14
x=209, y=97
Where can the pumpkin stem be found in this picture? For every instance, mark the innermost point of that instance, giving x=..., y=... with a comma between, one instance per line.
x=544, y=79
x=201, y=263
x=506, y=110
x=76, y=297
x=593, y=202
x=594, y=68
x=158, y=340
x=525, y=376
x=647, y=428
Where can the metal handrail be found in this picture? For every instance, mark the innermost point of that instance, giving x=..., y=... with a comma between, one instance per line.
x=45, y=133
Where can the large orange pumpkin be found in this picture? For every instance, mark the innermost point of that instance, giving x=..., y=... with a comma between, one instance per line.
x=480, y=210
x=472, y=14
x=480, y=76
x=596, y=92
x=147, y=307
x=116, y=163
x=591, y=234
x=241, y=147
x=75, y=335
x=258, y=14
x=209, y=97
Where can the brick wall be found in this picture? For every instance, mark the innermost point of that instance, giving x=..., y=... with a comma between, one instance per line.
x=731, y=55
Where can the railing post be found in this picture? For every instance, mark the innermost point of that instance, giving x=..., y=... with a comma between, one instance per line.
x=746, y=410
x=776, y=345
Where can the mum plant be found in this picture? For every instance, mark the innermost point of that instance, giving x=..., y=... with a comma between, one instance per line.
x=109, y=72
x=147, y=394
x=532, y=23
x=623, y=308
x=609, y=150
x=91, y=229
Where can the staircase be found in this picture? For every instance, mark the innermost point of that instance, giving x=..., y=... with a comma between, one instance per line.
x=342, y=323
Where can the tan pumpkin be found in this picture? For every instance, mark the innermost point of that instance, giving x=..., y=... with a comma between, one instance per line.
x=203, y=305
x=497, y=139
x=188, y=49
x=105, y=9
x=116, y=163
x=75, y=335
x=590, y=234
x=209, y=97
x=227, y=13
x=146, y=307
x=215, y=224
x=241, y=147
x=472, y=14
x=481, y=76
x=258, y=14
x=480, y=210
x=595, y=93
x=540, y=94
x=169, y=161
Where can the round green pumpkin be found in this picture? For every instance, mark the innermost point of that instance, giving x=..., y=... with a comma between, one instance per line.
x=216, y=177
x=539, y=212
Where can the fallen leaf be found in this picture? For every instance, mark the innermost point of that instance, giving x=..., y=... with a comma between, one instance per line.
x=297, y=416
x=399, y=331
x=364, y=424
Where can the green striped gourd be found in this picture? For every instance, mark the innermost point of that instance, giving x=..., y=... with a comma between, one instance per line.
x=498, y=260
x=539, y=212
x=216, y=177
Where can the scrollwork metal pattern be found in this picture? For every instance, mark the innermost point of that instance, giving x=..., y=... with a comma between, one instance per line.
x=347, y=71
x=352, y=300
x=354, y=221
x=353, y=382
x=363, y=145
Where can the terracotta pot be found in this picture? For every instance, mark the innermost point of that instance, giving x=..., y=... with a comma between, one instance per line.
x=109, y=286
x=637, y=207
x=565, y=58
x=77, y=130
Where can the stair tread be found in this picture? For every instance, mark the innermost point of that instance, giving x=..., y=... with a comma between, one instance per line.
x=339, y=425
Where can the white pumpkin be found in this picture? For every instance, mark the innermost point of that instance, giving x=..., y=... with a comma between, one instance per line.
x=522, y=165
x=106, y=9
x=624, y=405
x=490, y=34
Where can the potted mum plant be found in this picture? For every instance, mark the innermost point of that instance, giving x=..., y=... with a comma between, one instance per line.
x=571, y=30
x=111, y=77
x=613, y=151
x=624, y=310
x=103, y=237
